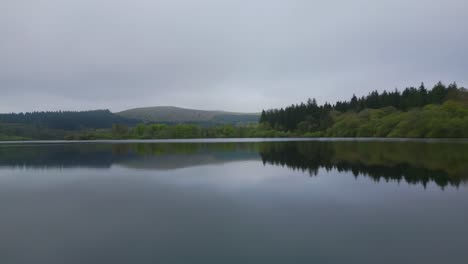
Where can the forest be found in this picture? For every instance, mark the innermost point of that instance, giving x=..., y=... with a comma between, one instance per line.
x=440, y=112
x=93, y=125
x=57, y=124
x=68, y=120
x=179, y=131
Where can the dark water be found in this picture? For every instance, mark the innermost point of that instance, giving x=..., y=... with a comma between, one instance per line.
x=228, y=202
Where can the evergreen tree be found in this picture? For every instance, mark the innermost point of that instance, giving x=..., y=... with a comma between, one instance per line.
x=438, y=93
x=263, y=117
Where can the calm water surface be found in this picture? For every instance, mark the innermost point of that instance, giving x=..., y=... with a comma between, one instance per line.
x=234, y=202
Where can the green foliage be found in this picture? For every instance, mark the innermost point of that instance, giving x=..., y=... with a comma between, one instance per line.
x=180, y=131
x=449, y=120
x=119, y=131
x=312, y=118
x=414, y=113
x=12, y=138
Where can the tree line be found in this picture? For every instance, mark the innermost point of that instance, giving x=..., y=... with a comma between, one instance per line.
x=67, y=120
x=179, y=131
x=310, y=117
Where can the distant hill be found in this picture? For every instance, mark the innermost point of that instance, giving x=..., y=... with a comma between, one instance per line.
x=171, y=114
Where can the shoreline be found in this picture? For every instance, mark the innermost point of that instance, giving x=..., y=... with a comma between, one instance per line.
x=237, y=140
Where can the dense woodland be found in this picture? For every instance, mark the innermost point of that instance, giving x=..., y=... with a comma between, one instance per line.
x=415, y=112
x=68, y=120
x=183, y=131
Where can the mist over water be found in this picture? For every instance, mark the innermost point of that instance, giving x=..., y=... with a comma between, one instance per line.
x=234, y=202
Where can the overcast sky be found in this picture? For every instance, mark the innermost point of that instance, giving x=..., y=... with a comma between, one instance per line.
x=222, y=54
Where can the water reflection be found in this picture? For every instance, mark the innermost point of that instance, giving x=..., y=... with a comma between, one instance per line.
x=444, y=163
x=412, y=162
x=137, y=156
x=233, y=203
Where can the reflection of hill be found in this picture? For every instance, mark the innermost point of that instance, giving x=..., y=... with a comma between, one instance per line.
x=413, y=162
x=177, y=161
x=137, y=156
x=183, y=155
x=168, y=162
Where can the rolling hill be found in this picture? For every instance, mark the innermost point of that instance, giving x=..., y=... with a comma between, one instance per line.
x=171, y=114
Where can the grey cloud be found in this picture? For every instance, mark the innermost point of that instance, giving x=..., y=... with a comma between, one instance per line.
x=232, y=55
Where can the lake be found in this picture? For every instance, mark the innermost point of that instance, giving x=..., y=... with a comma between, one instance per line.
x=234, y=201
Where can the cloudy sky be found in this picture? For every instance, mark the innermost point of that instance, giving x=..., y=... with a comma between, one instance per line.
x=222, y=54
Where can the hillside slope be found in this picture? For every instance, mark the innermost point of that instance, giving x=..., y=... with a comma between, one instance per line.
x=171, y=114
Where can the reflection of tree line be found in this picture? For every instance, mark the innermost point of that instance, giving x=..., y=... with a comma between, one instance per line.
x=56, y=156
x=105, y=155
x=412, y=162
